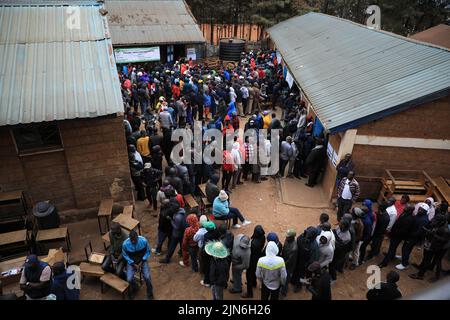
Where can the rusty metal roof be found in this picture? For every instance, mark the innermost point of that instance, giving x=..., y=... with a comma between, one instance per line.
x=152, y=22
x=353, y=75
x=438, y=35
x=49, y=71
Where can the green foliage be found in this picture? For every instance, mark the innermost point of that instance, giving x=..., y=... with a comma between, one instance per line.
x=398, y=16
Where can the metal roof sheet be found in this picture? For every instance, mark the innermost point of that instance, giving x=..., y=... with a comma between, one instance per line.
x=152, y=22
x=48, y=72
x=352, y=74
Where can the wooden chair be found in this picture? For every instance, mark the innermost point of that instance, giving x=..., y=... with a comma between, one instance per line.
x=93, y=257
x=128, y=211
x=91, y=270
x=217, y=221
x=190, y=201
x=15, y=241
x=104, y=213
x=114, y=282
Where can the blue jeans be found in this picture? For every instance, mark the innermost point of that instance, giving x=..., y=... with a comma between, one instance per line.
x=234, y=214
x=145, y=274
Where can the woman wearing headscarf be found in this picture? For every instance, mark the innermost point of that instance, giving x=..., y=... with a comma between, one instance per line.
x=256, y=252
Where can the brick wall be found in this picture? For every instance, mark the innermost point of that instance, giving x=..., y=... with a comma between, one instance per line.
x=97, y=160
x=92, y=166
x=429, y=121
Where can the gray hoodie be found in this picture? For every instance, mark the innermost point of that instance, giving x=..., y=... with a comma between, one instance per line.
x=326, y=250
x=240, y=257
x=271, y=268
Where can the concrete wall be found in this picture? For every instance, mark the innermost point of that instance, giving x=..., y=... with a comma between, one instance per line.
x=93, y=165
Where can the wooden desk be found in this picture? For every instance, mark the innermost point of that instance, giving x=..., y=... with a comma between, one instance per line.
x=443, y=189
x=11, y=196
x=14, y=198
x=128, y=211
x=11, y=264
x=104, y=212
x=13, y=237
x=114, y=282
x=91, y=270
x=191, y=202
x=53, y=235
x=127, y=222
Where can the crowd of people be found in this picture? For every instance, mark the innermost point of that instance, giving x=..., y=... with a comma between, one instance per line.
x=162, y=98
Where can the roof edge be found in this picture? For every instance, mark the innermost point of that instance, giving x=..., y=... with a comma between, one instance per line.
x=399, y=108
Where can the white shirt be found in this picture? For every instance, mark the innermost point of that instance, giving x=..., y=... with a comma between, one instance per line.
x=244, y=91
x=346, y=193
x=392, y=211
x=138, y=157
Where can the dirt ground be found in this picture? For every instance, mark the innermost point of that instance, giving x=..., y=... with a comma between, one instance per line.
x=259, y=203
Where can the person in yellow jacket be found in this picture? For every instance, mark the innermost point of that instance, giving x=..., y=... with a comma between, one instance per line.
x=142, y=146
x=266, y=119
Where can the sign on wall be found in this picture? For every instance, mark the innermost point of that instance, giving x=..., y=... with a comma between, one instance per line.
x=191, y=53
x=130, y=55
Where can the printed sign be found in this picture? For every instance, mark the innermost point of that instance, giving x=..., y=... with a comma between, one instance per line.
x=191, y=54
x=289, y=79
x=130, y=55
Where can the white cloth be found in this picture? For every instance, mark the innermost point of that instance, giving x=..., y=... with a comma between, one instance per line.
x=346, y=193
x=138, y=157
x=392, y=211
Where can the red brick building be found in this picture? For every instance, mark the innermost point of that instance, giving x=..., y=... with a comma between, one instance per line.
x=61, y=125
x=382, y=97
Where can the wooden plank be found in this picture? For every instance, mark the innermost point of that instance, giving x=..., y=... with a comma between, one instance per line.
x=15, y=263
x=11, y=195
x=96, y=258
x=202, y=188
x=126, y=222
x=206, y=202
x=128, y=211
x=413, y=198
x=51, y=234
x=92, y=270
x=105, y=208
x=443, y=188
x=405, y=183
x=114, y=282
x=191, y=202
x=13, y=237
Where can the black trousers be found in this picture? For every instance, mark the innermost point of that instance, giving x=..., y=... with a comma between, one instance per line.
x=173, y=246
x=344, y=206
x=251, y=279
x=375, y=246
x=428, y=257
x=313, y=177
x=267, y=294
x=151, y=193
x=393, y=245
x=226, y=179
x=137, y=181
x=362, y=250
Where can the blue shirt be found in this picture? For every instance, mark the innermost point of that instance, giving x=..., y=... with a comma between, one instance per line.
x=135, y=253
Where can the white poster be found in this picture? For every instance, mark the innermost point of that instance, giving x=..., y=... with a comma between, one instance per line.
x=289, y=79
x=330, y=151
x=279, y=59
x=191, y=54
x=335, y=159
x=130, y=55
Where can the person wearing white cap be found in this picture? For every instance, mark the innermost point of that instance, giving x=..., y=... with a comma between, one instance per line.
x=223, y=211
x=416, y=236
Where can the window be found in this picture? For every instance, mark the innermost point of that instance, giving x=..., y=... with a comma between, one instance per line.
x=37, y=137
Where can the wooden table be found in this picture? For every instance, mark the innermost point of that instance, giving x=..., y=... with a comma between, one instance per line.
x=127, y=222
x=202, y=188
x=13, y=237
x=16, y=263
x=14, y=197
x=53, y=235
x=442, y=191
x=128, y=211
x=104, y=212
x=191, y=202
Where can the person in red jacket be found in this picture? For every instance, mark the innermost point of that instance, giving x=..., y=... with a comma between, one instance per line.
x=189, y=246
x=227, y=169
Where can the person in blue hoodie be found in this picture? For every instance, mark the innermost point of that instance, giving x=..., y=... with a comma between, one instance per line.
x=136, y=251
x=61, y=287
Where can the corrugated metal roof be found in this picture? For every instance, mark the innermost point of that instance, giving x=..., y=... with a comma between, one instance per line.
x=152, y=22
x=352, y=74
x=48, y=72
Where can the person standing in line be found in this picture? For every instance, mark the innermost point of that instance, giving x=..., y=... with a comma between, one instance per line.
x=219, y=268
x=289, y=254
x=240, y=258
x=271, y=270
x=320, y=283
x=256, y=252
x=347, y=193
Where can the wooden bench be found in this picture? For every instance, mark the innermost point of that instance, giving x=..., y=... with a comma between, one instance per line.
x=91, y=270
x=114, y=282
x=54, y=235
x=217, y=221
x=104, y=212
x=190, y=201
x=11, y=264
x=106, y=241
x=128, y=223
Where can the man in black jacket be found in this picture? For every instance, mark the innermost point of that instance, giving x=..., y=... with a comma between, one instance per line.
x=379, y=232
x=308, y=252
x=219, y=268
x=211, y=189
x=401, y=229
x=320, y=286
x=386, y=290
x=437, y=237
x=316, y=162
x=256, y=252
